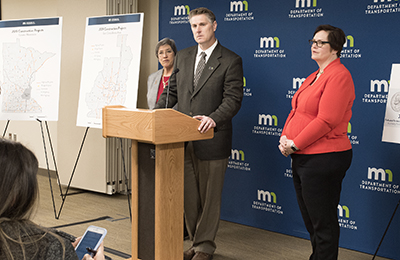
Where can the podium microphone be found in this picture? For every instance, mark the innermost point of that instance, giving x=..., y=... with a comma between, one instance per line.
x=166, y=100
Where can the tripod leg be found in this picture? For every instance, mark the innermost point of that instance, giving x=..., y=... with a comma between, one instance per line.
x=5, y=129
x=48, y=168
x=390, y=221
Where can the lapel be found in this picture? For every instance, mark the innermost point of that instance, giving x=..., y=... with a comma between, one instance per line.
x=153, y=88
x=211, y=66
x=307, y=82
x=191, y=60
x=304, y=86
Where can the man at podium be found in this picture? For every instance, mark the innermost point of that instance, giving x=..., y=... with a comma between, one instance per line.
x=208, y=85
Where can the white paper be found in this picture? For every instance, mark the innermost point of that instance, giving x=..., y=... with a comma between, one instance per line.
x=30, y=57
x=391, y=126
x=110, y=68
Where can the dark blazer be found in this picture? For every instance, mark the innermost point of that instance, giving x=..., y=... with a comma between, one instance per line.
x=218, y=95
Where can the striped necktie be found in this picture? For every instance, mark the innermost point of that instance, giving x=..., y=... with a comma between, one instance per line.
x=199, y=69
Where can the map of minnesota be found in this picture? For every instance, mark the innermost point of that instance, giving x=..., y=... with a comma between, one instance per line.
x=20, y=66
x=110, y=84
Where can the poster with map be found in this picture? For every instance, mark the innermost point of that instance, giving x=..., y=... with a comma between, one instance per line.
x=30, y=56
x=391, y=125
x=110, y=67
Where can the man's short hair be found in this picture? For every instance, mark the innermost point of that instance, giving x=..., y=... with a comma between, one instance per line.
x=202, y=10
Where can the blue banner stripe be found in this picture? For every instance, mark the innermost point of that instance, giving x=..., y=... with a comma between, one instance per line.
x=30, y=22
x=133, y=18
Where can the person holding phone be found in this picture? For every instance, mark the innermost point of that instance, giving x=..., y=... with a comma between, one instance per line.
x=98, y=254
x=89, y=244
x=20, y=238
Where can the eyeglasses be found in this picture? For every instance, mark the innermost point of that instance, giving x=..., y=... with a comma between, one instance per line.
x=318, y=43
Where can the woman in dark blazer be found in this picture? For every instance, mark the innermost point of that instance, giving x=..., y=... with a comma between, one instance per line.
x=157, y=81
x=315, y=135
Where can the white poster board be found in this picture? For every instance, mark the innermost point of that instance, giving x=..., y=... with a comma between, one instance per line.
x=110, y=68
x=391, y=125
x=30, y=57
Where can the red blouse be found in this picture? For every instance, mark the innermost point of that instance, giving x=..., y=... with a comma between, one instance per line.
x=321, y=112
x=163, y=84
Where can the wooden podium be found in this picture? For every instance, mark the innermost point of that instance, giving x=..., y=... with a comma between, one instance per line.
x=168, y=130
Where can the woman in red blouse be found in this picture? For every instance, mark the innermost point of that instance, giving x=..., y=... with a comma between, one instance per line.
x=159, y=80
x=315, y=135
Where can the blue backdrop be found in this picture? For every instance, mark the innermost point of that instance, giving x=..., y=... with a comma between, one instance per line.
x=272, y=38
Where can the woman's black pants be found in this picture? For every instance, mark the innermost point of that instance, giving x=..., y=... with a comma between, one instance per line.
x=318, y=182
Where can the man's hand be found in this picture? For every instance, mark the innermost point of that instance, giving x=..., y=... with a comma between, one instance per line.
x=206, y=123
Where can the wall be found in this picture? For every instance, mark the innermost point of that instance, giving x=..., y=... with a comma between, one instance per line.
x=272, y=38
x=66, y=136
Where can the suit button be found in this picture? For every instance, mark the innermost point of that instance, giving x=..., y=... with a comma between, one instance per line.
x=191, y=113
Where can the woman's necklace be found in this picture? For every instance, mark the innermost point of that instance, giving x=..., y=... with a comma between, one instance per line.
x=165, y=81
x=316, y=77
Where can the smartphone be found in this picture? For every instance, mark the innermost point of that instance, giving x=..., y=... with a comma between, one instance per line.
x=91, y=239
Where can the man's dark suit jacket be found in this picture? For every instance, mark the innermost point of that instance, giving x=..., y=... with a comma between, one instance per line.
x=218, y=95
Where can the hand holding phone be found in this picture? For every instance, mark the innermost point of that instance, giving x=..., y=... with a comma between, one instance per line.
x=91, y=239
x=98, y=256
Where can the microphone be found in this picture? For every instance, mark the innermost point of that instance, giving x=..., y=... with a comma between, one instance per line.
x=166, y=100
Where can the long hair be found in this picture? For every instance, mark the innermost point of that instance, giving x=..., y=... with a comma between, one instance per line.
x=18, y=195
x=18, y=181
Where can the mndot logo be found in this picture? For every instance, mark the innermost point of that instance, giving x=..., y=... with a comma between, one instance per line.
x=379, y=85
x=349, y=41
x=378, y=94
x=267, y=125
x=383, y=7
x=302, y=3
x=267, y=120
x=305, y=9
x=181, y=10
x=269, y=47
x=344, y=218
x=266, y=196
x=297, y=82
x=353, y=138
x=380, y=174
x=266, y=201
x=269, y=42
x=237, y=155
x=379, y=180
x=180, y=15
x=237, y=6
x=239, y=12
x=349, y=51
x=237, y=161
x=343, y=210
x=246, y=90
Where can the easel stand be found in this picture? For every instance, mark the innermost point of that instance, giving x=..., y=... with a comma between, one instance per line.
x=63, y=195
x=44, y=136
x=167, y=130
x=48, y=167
x=384, y=234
